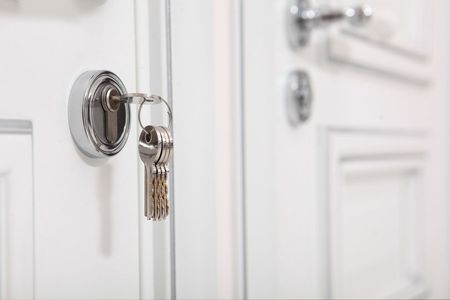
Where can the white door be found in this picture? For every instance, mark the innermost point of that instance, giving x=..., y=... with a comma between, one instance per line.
x=352, y=202
x=73, y=227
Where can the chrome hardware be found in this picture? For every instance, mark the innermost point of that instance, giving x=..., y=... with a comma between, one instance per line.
x=99, y=129
x=299, y=97
x=99, y=112
x=303, y=19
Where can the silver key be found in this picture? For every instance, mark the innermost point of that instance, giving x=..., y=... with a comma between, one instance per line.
x=165, y=159
x=163, y=172
x=159, y=211
x=150, y=151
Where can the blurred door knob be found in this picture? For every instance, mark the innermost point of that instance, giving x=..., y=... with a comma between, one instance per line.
x=304, y=18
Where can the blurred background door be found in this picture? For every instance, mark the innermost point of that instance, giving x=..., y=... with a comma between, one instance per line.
x=352, y=202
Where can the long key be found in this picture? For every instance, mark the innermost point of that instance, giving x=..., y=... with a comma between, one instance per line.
x=150, y=150
x=168, y=149
x=157, y=198
x=163, y=172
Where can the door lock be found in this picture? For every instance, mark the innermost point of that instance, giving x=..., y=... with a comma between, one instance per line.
x=299, y=97
x=99, y=112
x=99, y=120
x=303, y=19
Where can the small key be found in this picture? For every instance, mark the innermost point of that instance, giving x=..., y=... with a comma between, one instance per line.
x=165, y=159
x=164, y=171
x=158, y=212
x=150, y=151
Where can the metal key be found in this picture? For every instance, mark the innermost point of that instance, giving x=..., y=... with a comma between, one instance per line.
x=165, y=159
x=161, y=173
x=161, y=199
x=150, y=151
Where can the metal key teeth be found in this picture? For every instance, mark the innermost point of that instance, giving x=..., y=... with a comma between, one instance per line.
x=166, y=198
x=163, y=206
x=151, y=213
x=161, y=199
x=154, y=197
x=157, y=197
x=161, y=215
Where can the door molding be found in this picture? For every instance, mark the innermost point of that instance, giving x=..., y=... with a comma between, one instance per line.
x=355, y=160
x=17, y=247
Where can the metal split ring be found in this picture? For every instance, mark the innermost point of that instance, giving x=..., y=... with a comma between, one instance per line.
x=153, y=99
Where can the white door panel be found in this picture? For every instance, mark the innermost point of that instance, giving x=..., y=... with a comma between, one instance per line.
x=375, y=204
x=85, y=211
x=16, y=211
x=311, y=218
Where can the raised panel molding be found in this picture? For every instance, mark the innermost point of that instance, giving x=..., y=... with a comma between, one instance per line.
x=375, y=213
x=16, y=210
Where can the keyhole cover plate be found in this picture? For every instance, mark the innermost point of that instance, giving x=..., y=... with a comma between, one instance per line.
x=87, y=115
x=299, y=97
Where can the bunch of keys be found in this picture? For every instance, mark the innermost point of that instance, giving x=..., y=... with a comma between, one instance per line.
x=155, y=151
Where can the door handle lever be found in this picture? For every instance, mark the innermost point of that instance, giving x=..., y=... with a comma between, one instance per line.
x=305, y=18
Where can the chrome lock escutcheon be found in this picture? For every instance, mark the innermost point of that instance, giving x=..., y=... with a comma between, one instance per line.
x=99, y=112
x=99, y=128
x=99, y=120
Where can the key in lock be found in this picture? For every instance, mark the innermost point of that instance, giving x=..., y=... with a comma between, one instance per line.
x=99, y=120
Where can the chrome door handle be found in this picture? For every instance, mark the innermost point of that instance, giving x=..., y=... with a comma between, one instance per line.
x=304, y=18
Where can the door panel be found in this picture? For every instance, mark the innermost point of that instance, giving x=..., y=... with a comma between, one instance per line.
x=375, y=204
x=16, y=211
x=322, y=225
x=85, y=211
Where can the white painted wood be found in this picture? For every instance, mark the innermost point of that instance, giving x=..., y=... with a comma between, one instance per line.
x=208, y=159
x=86, y=213
x=375, y=202
x=152, y=47
x=17, y=271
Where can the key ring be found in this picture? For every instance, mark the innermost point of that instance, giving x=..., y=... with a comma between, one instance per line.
x=154, y=99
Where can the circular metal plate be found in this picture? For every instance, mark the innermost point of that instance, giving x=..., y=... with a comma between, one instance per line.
x=87, y=115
